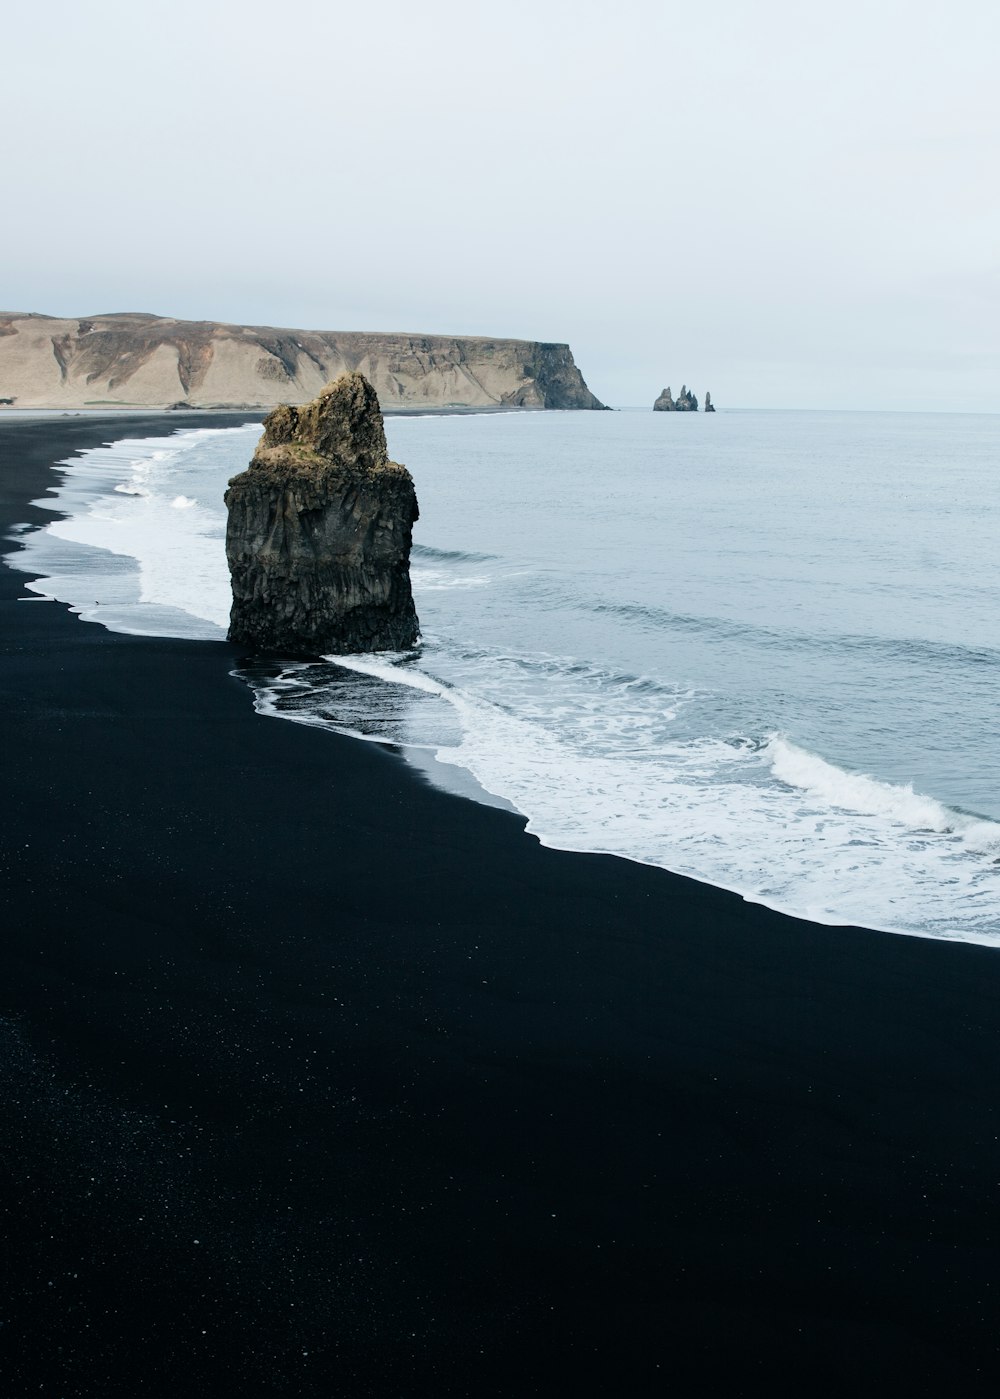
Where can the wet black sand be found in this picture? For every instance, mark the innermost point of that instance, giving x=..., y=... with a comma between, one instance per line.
x=316, y=1081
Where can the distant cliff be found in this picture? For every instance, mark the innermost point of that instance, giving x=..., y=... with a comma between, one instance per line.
x=134, y=360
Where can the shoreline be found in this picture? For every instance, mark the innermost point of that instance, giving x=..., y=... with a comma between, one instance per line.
x=319, y=1079
x=460, y=780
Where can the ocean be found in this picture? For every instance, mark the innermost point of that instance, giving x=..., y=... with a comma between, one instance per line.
x=757, y=648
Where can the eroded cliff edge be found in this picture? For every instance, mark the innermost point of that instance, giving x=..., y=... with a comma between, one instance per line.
x=319, y=532
x=134, y=360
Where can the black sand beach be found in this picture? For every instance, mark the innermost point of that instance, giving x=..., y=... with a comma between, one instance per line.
x=318, y=1081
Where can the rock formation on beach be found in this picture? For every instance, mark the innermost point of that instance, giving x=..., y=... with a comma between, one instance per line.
x=132, y=360
x=684, y=403
x=319, y=531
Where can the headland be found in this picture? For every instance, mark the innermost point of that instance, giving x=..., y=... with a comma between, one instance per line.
x=133, y=360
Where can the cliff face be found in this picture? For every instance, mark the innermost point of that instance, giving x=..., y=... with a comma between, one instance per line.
x=319, y=531
x=151, y=361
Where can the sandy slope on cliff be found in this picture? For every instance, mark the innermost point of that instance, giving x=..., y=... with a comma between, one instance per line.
x=135, y=360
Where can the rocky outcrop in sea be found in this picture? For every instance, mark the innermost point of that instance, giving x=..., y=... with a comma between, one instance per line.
x=319, y=532
x=685, y=402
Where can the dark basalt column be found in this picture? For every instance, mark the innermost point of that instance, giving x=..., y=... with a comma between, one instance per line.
x=319, y=532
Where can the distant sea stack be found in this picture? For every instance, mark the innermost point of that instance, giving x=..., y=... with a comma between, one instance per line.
x=685, y=402
x=140, y=361
x=319, y=532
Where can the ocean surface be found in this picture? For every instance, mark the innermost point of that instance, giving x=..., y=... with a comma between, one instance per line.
x=758, y=648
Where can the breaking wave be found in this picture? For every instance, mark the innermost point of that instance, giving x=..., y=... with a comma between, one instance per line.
x=760, y=816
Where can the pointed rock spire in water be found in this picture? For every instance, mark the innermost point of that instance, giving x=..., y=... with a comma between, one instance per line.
x=684, y=403
x=709, y=405
x=319, y=531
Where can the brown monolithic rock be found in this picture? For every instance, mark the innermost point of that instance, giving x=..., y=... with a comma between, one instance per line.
x=319, y=532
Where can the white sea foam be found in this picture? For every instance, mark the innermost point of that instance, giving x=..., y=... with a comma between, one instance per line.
x=386, y=666
x=820, y=842
x=122, y=504
x=433, y=580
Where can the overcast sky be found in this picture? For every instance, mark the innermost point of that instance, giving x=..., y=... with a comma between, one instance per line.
x=790, y=204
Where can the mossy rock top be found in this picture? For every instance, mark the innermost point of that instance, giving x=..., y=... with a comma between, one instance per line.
x=341, y=426
x=340, y=434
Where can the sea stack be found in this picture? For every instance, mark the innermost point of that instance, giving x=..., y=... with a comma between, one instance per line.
x=319, y=532
x=709, y=405
x=684, y=403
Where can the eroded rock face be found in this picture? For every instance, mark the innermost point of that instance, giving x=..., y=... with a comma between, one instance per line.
x=141, y=360
x=665, y=403
x=319, y=532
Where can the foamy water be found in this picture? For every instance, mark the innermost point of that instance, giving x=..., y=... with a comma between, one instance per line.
x=680, y=649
